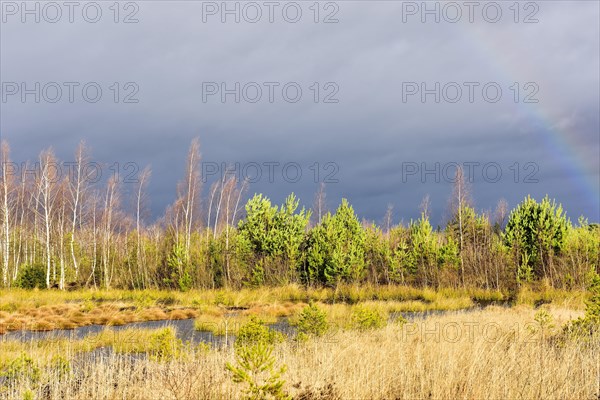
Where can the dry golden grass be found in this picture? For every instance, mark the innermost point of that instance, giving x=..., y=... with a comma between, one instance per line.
x=229, y=324
x=496, y=353
x=481, y=355
x=276, y=310
x=72, y=315
x=51, y=309
x=182, y=314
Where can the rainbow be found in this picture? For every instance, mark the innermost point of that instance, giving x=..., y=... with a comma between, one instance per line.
x=560, y=141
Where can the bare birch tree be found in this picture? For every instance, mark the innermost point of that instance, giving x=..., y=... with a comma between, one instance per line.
x=61, y=228
x=388, y=219
x=111, y=202
x=143, y=181
x=222, y=188
x=461, y=198
x=23, y=210
x=77, y=184
x=6, y=191
x=213, y=190
x=47, y=182
x=189, y=192
x=501, y=214
x=234, y=194
x=94, y=200
x=319, y=204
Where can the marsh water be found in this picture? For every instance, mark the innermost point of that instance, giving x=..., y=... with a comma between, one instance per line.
x=184, y=328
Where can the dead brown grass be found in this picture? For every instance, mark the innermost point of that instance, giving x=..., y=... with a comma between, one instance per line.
x=69, y=316
x=182, y=314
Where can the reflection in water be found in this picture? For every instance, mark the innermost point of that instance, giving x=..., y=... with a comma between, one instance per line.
x=184, y=329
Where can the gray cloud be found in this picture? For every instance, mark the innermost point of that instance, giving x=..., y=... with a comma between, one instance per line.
x=369, y=134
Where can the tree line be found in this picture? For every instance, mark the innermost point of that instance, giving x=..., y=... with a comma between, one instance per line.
x=66, y=232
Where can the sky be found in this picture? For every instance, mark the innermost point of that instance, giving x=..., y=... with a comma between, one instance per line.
x=380, y=100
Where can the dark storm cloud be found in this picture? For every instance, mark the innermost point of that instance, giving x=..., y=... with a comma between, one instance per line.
x=371, y=134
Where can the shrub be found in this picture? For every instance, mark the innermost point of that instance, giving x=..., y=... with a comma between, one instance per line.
x=543, y=318
x=255, y=363
x=580, y=254
x=256, y=332
x=164, y=345
x=313, y=321
x=336, y=248
x=592, y=309
x=545, y=322
x=257, y=371
x=365, y=318
x=31, y=276
x=22, y=368
x=588, y=325
x=535, y=231
x=185, y=282
x=273, y=235
x=61, y=365
x=424, y=248
x=400, y=320
x=177, y=275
